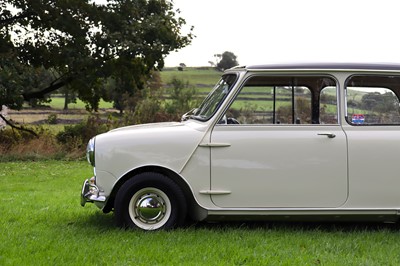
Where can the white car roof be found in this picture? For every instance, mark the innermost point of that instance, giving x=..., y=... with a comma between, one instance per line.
x=325, y=66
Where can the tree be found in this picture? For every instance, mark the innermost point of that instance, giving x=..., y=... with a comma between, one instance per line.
x=380, y=102
x=17, y=79
x=85, y=44
x=183, y=98
x=181, y=66
x=226, y=60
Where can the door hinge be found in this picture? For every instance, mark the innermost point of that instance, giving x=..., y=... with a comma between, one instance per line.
x=215, y=192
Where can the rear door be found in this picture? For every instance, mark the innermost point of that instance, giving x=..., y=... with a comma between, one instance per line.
x=373, y=130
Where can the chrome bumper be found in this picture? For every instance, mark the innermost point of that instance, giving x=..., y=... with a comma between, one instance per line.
x=90, y=193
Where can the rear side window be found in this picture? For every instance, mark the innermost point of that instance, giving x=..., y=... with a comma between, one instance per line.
x=373, y=100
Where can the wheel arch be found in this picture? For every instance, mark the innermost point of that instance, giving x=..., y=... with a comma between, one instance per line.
x=194, y=210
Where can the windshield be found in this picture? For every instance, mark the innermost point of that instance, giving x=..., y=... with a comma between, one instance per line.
x=212, y=102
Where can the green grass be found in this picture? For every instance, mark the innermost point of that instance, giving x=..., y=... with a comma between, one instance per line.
x=42, y=223
x=197, y=77
x=58, y=103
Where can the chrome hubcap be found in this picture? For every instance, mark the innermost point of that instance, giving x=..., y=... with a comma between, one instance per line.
x=150, y=208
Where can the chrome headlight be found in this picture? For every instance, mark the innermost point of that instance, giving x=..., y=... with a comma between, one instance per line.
x=90, y=152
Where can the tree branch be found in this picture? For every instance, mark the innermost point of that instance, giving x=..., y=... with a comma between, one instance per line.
x=18, y=128
x=40, y=94
x=10, y=20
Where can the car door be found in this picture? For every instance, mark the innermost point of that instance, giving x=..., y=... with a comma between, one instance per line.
x=373, y=131
x=269, y=150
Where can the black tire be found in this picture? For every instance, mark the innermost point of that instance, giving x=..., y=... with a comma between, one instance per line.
x=150, y=201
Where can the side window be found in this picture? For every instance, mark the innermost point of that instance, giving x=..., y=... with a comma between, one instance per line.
x=253, y=105
x=284, y=100
x=328, y=106
x=373, y=100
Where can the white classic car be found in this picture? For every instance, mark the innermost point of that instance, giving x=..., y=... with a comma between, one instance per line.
x=272, y=142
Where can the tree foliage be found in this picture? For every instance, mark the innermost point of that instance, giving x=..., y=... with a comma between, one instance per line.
x=377, y=102
x=81, y=44
x=183, y=98
x=154, y=107
x=226, y=60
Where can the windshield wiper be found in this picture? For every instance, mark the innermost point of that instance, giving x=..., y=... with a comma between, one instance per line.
x=190, y=115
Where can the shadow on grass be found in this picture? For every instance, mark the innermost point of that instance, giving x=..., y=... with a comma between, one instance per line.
x=97, y=221
x=106, y=222
x=298, y=226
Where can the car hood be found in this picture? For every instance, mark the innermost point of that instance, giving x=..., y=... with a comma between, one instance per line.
x=168, y=144
x=147, y=126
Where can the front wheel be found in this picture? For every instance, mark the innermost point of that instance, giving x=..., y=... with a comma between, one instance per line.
x=150, y=201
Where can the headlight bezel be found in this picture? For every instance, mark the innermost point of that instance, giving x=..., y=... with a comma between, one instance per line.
x=90, y=152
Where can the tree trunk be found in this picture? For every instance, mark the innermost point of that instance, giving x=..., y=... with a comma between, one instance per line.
x=66, y=100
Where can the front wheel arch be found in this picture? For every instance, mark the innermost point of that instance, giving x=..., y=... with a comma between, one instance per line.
x=150, y=201
x=193, y=206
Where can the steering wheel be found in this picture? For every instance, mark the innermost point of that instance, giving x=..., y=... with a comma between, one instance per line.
x=232, y=121
x=223, y=121
x=228, y=121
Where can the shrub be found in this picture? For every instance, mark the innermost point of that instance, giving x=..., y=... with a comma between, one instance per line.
x=153, y=107
x=52, y=119
x=75, y=136
x=150, y=109
x=21, y=145
x=10, y=137
x=183, y=98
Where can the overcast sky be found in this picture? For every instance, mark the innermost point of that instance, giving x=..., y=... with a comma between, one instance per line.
x=281, y=31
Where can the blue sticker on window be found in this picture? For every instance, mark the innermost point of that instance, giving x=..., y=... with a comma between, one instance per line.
x=358, y=119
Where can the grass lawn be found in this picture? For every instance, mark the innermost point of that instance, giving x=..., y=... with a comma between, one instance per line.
x=58, y=103
x=42, y=223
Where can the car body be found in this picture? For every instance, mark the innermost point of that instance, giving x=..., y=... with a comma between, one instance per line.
x=271, y=142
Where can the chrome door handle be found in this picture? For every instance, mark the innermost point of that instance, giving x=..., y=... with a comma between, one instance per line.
x=329, y=135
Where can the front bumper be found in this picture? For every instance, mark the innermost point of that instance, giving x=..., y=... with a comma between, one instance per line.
x=90, y=193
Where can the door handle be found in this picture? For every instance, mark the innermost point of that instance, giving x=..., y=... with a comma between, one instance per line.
x=329, y=135
x=214, y=145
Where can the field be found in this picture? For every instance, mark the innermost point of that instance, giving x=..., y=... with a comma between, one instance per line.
x=42, y=223
x=198, y=77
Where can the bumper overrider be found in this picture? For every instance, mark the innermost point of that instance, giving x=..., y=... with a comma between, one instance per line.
x=90, y=193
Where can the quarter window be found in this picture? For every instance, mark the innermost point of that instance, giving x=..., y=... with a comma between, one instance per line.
x=373, y=100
